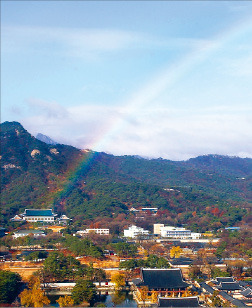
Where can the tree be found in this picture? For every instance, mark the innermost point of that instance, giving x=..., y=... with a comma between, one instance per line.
x=9, y=286
x=60, y=268
x=143, y=293
x=34, y=296
x=119, y=280
x=175, y=252
x=84, y=290
x=65, y=301
x=216, y=301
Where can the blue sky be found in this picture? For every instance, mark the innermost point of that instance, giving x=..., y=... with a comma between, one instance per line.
x=167, y=79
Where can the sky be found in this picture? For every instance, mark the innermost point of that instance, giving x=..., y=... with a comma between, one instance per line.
x=170, y=79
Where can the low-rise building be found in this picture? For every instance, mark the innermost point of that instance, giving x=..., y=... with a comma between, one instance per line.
x=135, y=231
x=96, y=231
x=22, y=233
x=35, y=215
x=175, y=232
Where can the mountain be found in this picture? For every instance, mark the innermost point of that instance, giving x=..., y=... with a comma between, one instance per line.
x=205, y=192
x=45, y=139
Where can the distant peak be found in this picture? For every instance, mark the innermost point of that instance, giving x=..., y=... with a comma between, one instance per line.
x=45, y=139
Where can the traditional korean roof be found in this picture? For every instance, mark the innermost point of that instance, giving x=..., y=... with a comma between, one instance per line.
x=162, y=278
x=229, y=286
x=191, y=301
x=208, y=288
x=224, y=279
x=181, y=261
x=39, y=212
x=64, y=217
x=17, y=218
x=234, y=301
x=247, y=292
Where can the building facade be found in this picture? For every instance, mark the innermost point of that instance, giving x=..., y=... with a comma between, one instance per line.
x=174, y=232
x=36, y=215
x=96, y=231
x=135, y=231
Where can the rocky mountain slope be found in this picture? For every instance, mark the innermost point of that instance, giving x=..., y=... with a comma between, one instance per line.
x=86, y=184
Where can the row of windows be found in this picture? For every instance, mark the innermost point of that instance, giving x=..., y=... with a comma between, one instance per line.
x=39, y=218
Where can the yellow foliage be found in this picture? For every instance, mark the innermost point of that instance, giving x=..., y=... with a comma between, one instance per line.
x=119, y=280
x=65, y=301
x=34, y=297
x=175, y=252
x=143, y=293
x=154, y=297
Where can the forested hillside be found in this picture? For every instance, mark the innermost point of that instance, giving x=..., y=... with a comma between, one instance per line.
x=205, y=192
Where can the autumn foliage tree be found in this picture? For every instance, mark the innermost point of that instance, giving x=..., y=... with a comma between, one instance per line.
x=175, y=252
x=119, y=280
x=65, y=301
x=34, y=296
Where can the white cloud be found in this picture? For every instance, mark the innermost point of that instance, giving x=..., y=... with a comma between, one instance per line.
x=168, y=133
x=84, y=42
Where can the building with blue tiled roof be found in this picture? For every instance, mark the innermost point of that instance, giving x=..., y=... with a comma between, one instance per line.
x=35, y=215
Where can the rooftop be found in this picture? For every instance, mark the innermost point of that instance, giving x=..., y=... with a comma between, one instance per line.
x=229, y=286
x=162, y=278
x=39, y=212
x=224, y=279
x=191, y=301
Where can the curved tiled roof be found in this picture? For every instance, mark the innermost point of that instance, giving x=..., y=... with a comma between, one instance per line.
x=162, y=278
x=191, y=301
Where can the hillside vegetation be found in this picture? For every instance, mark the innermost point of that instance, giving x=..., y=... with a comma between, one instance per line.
x=206, y=192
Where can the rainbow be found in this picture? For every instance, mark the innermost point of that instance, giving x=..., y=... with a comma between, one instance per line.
x=163, y=80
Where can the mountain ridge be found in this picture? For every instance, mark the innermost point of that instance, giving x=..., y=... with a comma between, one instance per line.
x=79, y=182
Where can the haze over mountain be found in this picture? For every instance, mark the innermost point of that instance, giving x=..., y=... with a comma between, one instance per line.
x=85, y=184
x=45, y=139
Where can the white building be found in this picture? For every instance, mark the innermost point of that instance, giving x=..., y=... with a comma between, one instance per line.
x=96, y=231
x=22, y=233
x=174, y=232
x=134, y=231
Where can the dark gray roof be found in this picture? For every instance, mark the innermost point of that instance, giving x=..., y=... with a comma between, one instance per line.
x=47, y=212
x=224, y=279
x=229, y=286
x=245, y=283
x=178, y=301
x=232, y=300
x=207, y=287
x=247, y=292
x=162, y=278
x=181, y=261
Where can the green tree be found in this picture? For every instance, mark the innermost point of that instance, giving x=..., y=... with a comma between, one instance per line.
x=9, y=286
x=125, y=249
x=84, y=290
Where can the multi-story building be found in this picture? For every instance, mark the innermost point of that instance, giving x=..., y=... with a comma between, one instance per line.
x=135, y=231
x=174, y=232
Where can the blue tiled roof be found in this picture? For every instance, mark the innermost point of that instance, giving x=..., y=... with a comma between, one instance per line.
x=48, y=212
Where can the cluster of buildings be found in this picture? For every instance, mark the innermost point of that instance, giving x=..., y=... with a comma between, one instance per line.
x=167, y=288
x=237, y=293
x=163, y=231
